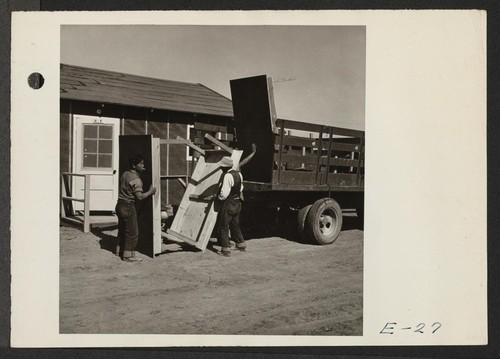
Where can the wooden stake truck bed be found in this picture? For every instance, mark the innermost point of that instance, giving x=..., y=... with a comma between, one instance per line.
x=297, y=164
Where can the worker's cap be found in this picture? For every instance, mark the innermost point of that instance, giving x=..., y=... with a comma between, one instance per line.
x=226, y=162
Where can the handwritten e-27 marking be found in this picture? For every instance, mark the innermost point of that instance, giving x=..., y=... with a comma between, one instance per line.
x=390, y=327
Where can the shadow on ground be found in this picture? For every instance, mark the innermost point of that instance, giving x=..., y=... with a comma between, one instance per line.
x=176, y=247
x=284, y=224
x=281, y=224
x=107, y=242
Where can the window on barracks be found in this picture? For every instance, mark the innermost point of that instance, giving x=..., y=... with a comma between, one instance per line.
x=97, y=146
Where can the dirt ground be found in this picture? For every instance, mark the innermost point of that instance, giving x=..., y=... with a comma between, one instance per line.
x=281, y=285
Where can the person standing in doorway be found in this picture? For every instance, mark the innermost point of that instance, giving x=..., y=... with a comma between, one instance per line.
x=131, y=189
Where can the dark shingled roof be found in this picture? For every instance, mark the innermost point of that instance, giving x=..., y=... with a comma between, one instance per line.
x=85, y=84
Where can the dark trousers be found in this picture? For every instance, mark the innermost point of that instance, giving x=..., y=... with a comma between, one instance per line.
x=128, y=230
x=229, y=220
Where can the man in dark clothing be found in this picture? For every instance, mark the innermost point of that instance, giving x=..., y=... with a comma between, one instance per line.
x=229, y=213
x=130, y=191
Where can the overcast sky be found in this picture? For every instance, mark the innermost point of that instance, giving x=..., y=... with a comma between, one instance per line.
x=318, y=71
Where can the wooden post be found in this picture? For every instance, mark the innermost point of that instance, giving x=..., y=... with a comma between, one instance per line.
x=218, y=143
x=282, y=136
x=167, y=182
x=62, y=193
x=361, y=152
x=182, y=141
x=167, y=187
x=329, y=154
x=320, y=146
x=86, y=205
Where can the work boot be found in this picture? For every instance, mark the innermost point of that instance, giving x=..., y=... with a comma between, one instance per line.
x=242, y=247
x=226, y=252
x=132, y=259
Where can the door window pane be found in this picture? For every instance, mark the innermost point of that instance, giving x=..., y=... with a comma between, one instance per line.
x=89, y=160
x=90, y=146
x=106, y=131
x=89, y=131
x=105, y=161
x=97, y=146
x=105, y=146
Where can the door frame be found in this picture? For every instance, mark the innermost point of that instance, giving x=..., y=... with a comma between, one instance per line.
x=77, y=151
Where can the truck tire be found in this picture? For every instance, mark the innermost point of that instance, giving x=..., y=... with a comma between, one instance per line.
x=301, y=220
x=324, y=221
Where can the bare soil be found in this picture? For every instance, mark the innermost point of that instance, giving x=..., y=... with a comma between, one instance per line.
x=281, y=286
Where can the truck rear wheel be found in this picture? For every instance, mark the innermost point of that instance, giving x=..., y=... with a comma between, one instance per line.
x=324, y=221
x=301, y=220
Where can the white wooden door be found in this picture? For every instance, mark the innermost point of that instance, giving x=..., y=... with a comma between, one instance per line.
x=95, y=152
x=155, y=170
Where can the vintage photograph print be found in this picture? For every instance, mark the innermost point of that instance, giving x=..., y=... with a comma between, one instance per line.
x=249, y=179
x=212, y=179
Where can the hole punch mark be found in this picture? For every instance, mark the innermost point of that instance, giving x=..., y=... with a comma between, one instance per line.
x=35, y=80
